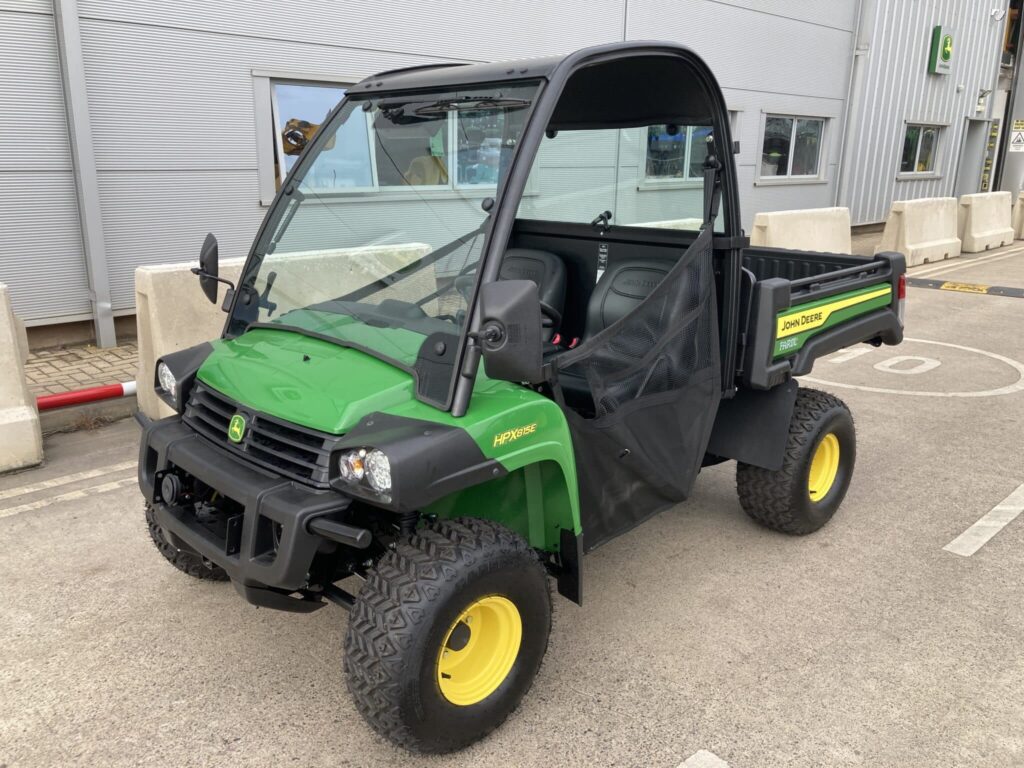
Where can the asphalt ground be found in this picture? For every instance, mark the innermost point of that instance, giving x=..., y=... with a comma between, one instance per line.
x=703, y=637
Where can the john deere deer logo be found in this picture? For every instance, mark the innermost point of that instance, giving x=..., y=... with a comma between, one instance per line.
x=236, y=428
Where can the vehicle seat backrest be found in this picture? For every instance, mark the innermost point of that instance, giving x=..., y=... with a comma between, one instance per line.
x=542, y=267
x=621, y=288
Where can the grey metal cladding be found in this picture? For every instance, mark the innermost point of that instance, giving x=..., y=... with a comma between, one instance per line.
x=895, y=88
x=41, y=255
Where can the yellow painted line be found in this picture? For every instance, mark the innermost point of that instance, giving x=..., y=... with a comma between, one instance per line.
x=963, y=287
x=809, y=319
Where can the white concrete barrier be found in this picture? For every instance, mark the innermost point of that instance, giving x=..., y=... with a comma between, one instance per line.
x=693, y=224
x=922, y=230
x=21, y=442
x=826, y=230
x=174, y=314
x=1017, y=220
x=984, y=221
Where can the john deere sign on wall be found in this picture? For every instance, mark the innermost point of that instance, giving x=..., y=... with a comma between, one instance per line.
x=940, y=58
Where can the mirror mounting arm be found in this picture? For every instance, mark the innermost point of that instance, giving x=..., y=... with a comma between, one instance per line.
x=199, y=272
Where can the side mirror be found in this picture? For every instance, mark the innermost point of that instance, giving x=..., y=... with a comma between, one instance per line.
x=209, y=269
x=510, y=331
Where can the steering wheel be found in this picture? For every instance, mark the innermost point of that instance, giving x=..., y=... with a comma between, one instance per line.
x=550, y=317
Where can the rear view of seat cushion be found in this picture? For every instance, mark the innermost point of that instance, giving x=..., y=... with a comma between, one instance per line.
x=621, y=288
x=543, y=268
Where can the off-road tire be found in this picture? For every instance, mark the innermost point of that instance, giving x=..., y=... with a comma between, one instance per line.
x=405, y=609
x=779, y=499
x=187, y=562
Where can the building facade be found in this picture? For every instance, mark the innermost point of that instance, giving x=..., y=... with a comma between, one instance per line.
x=130, y=130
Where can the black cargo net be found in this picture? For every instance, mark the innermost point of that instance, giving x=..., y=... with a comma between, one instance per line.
x=654, y=378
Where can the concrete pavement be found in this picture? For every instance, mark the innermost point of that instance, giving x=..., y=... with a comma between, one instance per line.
x=865, y=644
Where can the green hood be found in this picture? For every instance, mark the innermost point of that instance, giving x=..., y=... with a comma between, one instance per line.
x=310, y=382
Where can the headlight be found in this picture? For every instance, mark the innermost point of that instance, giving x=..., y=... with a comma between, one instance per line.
x=351, y=467
x=168, y=383
x=378, y=471
x=366, y=466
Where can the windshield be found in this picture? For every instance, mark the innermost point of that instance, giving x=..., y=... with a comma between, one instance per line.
x=375, y=242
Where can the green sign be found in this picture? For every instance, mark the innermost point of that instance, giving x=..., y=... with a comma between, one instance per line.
x=940, y=57
x=236, y=428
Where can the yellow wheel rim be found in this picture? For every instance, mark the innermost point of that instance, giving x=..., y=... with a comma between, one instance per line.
x=824, y=467
x=479, y=650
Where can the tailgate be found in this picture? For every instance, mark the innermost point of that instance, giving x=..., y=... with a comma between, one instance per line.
x=794, y=322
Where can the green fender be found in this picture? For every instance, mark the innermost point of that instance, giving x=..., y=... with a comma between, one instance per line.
x=529, y=436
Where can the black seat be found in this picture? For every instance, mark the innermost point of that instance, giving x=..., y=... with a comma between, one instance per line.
x=543, y=268
x=621, y=288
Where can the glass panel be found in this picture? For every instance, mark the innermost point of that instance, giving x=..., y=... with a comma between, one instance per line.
x=301, y=107
x=580, y=174
x=778, y=133
x=910, y=148
x=666, y=151
x=380, y=267
x=699, y=136
x=478, y=140
x=411, y=149
x=926, y=157
x=807, y=147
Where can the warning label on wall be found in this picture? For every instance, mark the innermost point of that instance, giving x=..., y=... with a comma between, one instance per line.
x=1018, y=125
x=1017, y=141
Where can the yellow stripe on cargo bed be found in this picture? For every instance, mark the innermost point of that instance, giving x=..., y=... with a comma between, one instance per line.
x=815, y=317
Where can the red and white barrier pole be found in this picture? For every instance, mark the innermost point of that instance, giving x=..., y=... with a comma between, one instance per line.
x=81, y=396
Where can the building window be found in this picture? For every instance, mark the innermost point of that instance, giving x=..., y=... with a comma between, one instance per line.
x=792, y=147
x=676, y=152
x=919, y=145
x=298, y=111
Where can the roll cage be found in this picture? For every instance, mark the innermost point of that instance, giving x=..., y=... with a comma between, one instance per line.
x=573, y=95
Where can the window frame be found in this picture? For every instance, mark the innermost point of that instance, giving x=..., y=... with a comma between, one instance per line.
x=268, y=142
x=932, y=173
x=817, y=178
x=648, y=183
x=263, y=105
x=670, y=182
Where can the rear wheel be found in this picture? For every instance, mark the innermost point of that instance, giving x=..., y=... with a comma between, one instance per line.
x=184, y=560
x=805, y=493
x=447, y=634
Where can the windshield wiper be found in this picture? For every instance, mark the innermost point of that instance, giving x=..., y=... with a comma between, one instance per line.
x=396, y=109
x=469, y=103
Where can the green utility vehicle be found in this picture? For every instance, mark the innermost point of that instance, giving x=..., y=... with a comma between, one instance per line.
x=497, y=315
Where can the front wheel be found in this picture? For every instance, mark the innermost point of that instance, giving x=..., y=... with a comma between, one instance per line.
x=447, y=634
x=805, y=493
x=185, y=561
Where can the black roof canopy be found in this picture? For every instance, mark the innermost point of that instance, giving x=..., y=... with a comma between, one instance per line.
x=619, y=84
x=455, y=74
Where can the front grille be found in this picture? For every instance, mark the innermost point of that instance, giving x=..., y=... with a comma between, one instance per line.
x=295, y=452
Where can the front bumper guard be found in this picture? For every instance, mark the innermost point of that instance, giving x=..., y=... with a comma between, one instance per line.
x=266, y=566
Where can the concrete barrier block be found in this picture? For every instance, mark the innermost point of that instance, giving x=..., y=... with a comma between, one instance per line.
x=922, y=230
x=21, y=442
x=826, y=230
x=693, y=224
x=1017, y=220
x=984, y=221
x=174, y=314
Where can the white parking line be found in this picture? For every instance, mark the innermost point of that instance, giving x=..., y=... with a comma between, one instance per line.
x=950, y=266
x=69, y=496
x=66, y=479
x=703, y=759
x=850, y=354
x=979, y=534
